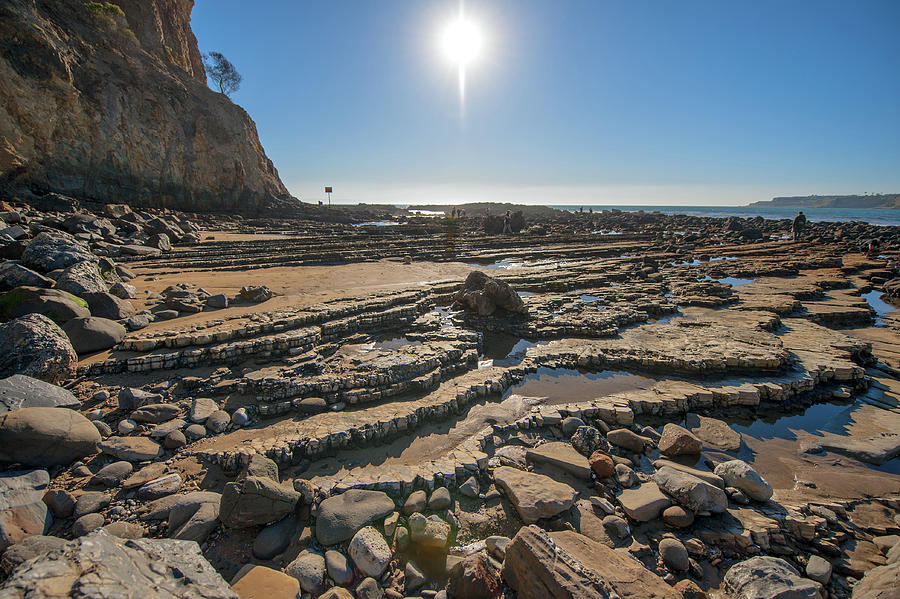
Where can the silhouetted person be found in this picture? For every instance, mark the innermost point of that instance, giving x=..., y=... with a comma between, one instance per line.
x=506, y=223
x=798, y=225
x=872, y=247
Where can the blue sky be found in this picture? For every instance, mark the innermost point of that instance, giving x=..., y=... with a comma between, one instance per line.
x=571, y=102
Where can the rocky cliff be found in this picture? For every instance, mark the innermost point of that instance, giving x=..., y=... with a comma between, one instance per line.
x=108, y=102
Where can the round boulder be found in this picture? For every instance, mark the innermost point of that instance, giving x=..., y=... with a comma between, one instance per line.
x=46, y=436
x=93, y=334
x=33, y=345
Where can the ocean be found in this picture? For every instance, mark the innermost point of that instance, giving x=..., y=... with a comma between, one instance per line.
x=890, y=218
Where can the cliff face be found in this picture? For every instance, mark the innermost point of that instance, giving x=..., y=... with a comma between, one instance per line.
x=108, y=102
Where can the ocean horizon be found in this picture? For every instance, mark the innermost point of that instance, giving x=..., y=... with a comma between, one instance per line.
x=879, y=216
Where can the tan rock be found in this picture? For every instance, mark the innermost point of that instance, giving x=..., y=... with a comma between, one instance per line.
x=535, y=496
x=259, y=582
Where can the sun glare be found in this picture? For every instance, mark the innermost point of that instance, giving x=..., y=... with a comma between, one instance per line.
x=462, y=43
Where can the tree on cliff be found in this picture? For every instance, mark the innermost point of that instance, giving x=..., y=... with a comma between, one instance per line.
x=222, y=72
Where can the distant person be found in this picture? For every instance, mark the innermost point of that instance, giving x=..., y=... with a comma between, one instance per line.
x=798, y=225
x=507, y=229
x=872, y=247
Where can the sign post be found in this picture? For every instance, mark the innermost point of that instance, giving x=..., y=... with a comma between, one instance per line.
x=328, y=191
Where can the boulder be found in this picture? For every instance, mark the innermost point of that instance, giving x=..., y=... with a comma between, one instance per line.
x=691, y=492
x=534, y=496
x=81, y=278
x=561, y=455
x=33, y=345
x=101, y=565
x=567, y=564
x=132, y=449
x=113, y=474
x=164, y=485
x=440, y=499
x=192, y=516
x=260, y=582
x=309, y=570
x=155, y=413
x=602, y=465
x=21, y=391
x=644, y=502
x=90, y=502
x=714, y=433
x=678, y=517
x=131, y=398
x=57, y=305
x=256, y=293
x=275, y=538
x=202, y=408
x=473, y=578
x=587, y=440
x=739, y=474
x=881, y=582
x=415, y=502
x=260, y=465
x=818, y=569
x=370, y=552
x=674, y=555
x=123, y=291
x=626, y=439
x=46, y=436
x=485, y=295
x=93, y=334
x=23, y=512
x=342, y=515
x=13, y=274
x=256, y=500
x=27, y=548
x=339, y=568
x=53, y=251
x=107, y=305
x=87, y=523
x=676, y=441
x=429, y=533
x=769, y=578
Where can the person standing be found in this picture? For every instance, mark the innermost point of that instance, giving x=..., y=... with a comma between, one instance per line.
x=507, y=221
x=798, y=225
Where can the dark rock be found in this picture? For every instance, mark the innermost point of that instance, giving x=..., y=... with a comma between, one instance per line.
x=81, y=278
x=14, y=275
x=256, y=294
x=256, y=500
x=131, y=398
x=155, y=413
x=275, y=538
x=342, y=515
x=156, y=568
x=46, y=436
x=52, y=251
x=28, y=548
x=93, y=334
x=107, y=305
x=587, y=439
x=33, y=345
x=484, y=295
x=56, y=305
x=21, y=391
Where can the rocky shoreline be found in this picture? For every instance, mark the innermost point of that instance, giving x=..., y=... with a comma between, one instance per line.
x=218, y=406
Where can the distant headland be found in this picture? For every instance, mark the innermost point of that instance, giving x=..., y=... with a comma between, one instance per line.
x=884, y=201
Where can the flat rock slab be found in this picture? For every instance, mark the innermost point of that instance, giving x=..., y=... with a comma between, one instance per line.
x=22, y=510
x=568, y=564
x=714, y=433
x=340, y=517
x=561, y=455
x=535, y=496
x=103, y=565
x=644, y=502
x=704, y=475
x=132, y=449
x=21, y=391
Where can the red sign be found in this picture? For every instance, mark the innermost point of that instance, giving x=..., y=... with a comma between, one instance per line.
x=327, y=189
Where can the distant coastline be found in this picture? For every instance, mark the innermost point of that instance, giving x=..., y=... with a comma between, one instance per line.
x=890, y=201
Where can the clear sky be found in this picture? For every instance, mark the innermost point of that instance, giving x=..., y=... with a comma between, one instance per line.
x=570, y=102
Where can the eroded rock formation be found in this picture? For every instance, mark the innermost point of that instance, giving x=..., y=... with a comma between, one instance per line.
x=112, y=106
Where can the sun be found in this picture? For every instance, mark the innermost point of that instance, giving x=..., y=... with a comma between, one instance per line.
x=462, y=41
